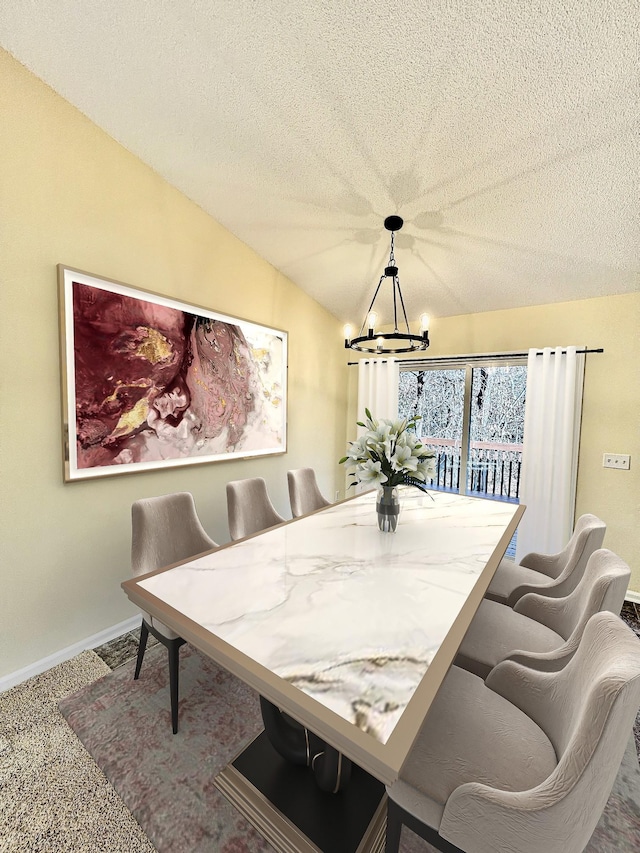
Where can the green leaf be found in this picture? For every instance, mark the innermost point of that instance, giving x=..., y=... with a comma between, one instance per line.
x=368, y=414
x=344, y=459
x=420, y=485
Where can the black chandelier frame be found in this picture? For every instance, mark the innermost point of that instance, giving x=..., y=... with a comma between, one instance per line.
x=373, y=342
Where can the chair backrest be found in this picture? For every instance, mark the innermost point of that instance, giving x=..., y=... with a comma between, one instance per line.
x=249, y=508
x=587, y=710
x=304, y=494
x=572, y=706
x=165, y=530
x=602, y=587
x=587, y=537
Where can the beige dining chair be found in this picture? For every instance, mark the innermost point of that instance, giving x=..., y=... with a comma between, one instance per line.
x=304, y=494
x=249, y=508
x=538, y=624
x=549, y=574
x=165, y=530
x=525, y=761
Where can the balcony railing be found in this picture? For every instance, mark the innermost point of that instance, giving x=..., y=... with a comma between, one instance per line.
x=493, y=469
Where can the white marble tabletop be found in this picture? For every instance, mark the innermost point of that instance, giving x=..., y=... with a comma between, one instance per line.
x=349, y=615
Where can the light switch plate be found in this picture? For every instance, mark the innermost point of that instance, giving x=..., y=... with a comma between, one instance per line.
x=616, y=460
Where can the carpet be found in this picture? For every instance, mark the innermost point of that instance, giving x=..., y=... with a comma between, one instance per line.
x=53, y=797
x=166, y=781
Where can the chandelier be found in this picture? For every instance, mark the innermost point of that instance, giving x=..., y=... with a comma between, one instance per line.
x=388, y=342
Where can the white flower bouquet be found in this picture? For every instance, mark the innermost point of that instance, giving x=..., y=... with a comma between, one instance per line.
x=390, y=454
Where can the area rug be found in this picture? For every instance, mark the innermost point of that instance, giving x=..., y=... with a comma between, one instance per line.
x=166, y=781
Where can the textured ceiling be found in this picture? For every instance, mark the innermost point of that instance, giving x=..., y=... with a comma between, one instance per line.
x=505, y=133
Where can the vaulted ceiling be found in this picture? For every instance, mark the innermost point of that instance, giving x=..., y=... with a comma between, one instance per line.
x=506, y=134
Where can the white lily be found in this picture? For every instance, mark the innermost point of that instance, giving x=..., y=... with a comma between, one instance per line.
x=382, y=433
x=403, y=460
x=397, y=427
x=357, y=449
x=369, y=472
x=426, y=469
x=412, y=440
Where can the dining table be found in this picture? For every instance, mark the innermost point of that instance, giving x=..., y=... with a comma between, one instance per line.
x=345, y=633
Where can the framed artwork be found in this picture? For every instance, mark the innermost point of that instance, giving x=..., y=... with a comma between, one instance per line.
x=149, y=382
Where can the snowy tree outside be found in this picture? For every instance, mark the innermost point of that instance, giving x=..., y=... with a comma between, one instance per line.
x=496, y=424
x=497, y=402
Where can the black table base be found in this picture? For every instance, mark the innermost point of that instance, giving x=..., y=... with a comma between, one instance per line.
x=284, y=803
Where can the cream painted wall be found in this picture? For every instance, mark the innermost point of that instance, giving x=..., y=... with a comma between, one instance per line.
x=611, y=405
x=71, y=195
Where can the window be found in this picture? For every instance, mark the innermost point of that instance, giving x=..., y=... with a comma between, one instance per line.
x=473, y=417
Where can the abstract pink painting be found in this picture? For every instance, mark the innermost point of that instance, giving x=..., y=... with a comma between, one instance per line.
x=150, y=382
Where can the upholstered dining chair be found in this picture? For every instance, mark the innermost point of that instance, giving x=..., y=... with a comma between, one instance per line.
x=249, y=508
x=525, y=761
x=304, y=494
x=165, y=530
x=538, y=624
x=549, y=574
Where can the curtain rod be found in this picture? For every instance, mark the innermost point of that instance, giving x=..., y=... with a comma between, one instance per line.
x=479, y=357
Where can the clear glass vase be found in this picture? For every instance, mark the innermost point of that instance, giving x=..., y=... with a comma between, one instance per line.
x=388, y=508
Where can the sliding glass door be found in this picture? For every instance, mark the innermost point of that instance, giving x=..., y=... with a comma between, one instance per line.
x=496, y=427
x=472, y=415
x=438, y=397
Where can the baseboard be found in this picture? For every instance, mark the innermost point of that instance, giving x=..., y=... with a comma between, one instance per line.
x=632, y=596
x=8, y=681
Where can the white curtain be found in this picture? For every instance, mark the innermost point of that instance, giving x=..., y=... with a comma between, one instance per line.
x=378, y=388
x=377, y=391
x=550, y=452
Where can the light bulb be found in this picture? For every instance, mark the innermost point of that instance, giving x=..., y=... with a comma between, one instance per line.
x=347, y=332
x=380, y=344
x=371, y=319
x=424, y=322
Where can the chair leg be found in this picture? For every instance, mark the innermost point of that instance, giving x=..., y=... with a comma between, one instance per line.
x=394, y=827
x=142, y=645
x=174, y=666
x=397, y=817
x=173, y=647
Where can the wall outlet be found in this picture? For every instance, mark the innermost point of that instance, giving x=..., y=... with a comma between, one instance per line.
x=616, y=460
x=337, y=495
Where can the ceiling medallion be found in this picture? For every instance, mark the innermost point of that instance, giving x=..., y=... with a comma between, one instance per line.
x=389, y=342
